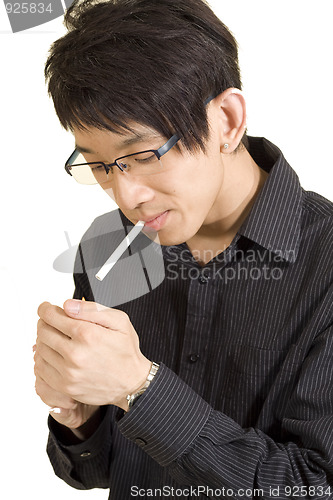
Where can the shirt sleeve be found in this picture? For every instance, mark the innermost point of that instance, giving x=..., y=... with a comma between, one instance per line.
x=198, y=445
x=86, y=465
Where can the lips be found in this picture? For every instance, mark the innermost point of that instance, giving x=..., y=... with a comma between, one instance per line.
x=150, y=219
x=157, y=221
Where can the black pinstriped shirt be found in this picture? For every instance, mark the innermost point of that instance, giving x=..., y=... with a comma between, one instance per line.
x=242, y=405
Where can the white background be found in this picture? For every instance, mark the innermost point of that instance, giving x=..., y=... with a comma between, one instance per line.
x=286, y=60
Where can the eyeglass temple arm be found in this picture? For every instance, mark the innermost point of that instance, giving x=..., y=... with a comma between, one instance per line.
x=70, y=160
x=210, y=98
x=168, y=145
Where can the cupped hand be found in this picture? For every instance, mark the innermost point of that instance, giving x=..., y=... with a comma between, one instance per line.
x=89, y=353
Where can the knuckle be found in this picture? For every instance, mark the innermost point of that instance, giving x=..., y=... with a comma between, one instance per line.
x=65, y=383
x=80, y=330
x=37, y=365
x=69, y=388
x=40, y=327
x=43, y=308
x=123, y=315
x=48, y=312
x=38, y=384
x=40, y=390
x=39, y=348
x=76, y=359
x=42, y=396
x=122, y=319
x=70, y=376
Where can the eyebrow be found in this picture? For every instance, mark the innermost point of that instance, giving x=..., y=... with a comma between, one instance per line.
x=83, y=150
x=128, y=141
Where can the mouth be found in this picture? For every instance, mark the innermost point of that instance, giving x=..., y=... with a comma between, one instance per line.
x=157, y=221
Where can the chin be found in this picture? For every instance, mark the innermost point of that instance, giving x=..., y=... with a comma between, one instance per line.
x=168, y=239
x=158, y=238
x=171, y=234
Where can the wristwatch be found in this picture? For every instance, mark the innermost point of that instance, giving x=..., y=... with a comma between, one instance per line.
x=132, y=398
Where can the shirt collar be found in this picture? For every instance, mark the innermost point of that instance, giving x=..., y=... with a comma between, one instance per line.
x=274, y=220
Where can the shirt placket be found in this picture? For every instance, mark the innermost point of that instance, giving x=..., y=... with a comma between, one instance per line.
x=203, y=293
x=199, y=317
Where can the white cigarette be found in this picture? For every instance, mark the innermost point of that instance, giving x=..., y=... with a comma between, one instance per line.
x=115, y=256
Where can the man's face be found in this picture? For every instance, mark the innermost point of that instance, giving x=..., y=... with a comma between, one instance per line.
x=177, y=199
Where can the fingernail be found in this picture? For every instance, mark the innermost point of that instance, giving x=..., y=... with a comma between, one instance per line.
x=34, y=348
x=55, y=410
x=73, y=306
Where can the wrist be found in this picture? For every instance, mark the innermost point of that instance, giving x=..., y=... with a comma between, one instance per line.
x=132, y=398
x=89, y=427
x=75, y=435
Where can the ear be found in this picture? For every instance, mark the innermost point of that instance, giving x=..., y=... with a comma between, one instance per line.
x=230, y=108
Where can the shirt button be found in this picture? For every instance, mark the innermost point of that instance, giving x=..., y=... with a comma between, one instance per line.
x=140, y=442
x=203, y=279
x=194, y=357
x=85, y=454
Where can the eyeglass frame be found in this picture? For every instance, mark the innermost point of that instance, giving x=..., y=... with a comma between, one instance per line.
x=107, y=166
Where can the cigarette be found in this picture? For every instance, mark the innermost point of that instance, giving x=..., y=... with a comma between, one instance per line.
x=115, y=256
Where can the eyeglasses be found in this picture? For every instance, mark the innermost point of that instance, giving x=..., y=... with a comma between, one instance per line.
x=99, y=172
x=141, y=163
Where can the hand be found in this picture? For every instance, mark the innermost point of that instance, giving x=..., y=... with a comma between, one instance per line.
x=64, y=409
x=89, y=353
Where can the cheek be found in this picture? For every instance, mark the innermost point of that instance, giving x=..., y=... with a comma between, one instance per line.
x=109, y=191
x=202, y=184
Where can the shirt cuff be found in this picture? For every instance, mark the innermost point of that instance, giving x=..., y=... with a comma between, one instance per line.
x=89, y=448
x=166, y=419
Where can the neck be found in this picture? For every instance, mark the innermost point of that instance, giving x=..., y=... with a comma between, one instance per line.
x=243, y=180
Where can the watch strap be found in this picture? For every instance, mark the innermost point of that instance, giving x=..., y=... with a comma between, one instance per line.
x=132, y=398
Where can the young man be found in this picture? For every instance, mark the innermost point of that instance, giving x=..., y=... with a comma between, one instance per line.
x=229, y=393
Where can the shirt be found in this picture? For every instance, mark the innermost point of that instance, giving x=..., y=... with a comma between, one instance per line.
x=242, y=404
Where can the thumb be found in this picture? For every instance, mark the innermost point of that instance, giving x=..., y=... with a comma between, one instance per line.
x=95, y=313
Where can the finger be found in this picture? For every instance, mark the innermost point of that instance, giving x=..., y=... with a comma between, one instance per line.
x=97, y=313
x=48, y=373
x=50, y=356
x=56, y=317
x=53, y=398
x=52, y=337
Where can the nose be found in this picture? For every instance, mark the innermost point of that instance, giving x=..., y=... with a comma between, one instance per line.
x=129, y=192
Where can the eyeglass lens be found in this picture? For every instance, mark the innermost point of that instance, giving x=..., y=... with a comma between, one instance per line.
x=92, y=173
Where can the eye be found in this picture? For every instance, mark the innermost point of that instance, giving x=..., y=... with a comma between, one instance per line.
x=96, y=168
x=101, y=168
x=145, y=157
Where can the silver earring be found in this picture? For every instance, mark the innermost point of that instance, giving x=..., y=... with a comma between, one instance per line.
x=226, y=146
